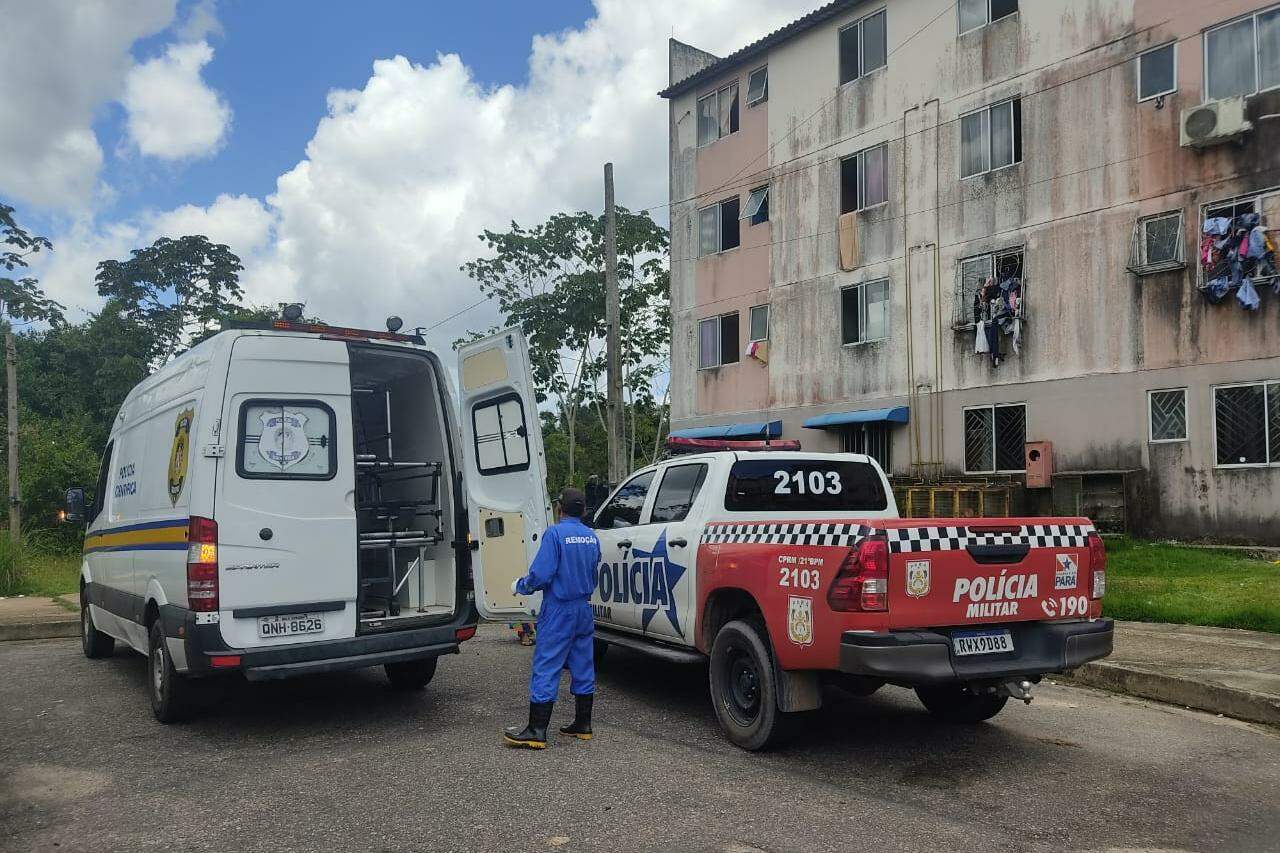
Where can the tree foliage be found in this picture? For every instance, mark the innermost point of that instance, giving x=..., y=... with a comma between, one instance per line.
x=22, y=298
x=178, y=290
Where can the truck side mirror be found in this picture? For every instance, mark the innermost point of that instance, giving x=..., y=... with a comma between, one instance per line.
x=74, y=511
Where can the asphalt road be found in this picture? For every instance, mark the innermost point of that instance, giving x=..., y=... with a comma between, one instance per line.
x=342, y=763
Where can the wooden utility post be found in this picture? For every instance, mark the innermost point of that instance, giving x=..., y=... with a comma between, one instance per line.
x=617, y=467
x=11, y=388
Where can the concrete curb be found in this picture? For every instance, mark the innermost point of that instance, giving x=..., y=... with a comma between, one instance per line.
x=1204, y=696
x=40, y=630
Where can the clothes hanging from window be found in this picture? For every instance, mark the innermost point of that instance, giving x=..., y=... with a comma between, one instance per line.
x=1217, y=225
x=980, y=338
x=1248, y=295
x=1015, y=340
x=993, y=343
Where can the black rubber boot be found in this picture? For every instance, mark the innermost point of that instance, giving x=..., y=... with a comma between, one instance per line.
x=581, y=725
x=534, y=735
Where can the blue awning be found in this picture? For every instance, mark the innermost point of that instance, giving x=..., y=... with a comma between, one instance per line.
x=895, y=415
x=768, y=429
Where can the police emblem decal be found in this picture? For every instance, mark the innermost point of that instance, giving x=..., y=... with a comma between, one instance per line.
x=284, y=441
x=800, y=620
x=918, y=578
x=179, y=454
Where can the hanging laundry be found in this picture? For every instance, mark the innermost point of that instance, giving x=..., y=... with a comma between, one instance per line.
x=1217, y=225
x=1016, y=339
x=1217, y=288
x=993, y=343
x=1248, y=296
x=980, y=338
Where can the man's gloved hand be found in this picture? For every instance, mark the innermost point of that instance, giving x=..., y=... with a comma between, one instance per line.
x=515, y=587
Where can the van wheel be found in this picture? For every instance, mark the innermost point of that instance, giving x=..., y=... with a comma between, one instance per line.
x=411, y=674
x=743, y=687
x=171, y=693
x=94, y=643
x=956, y=703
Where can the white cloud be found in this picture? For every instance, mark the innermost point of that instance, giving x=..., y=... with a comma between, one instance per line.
x=401, y=175
x=60, y=61
x=172, y=114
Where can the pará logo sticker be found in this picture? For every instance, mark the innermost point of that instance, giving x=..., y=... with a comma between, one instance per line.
x=179, y=454
x=284, y=439
x=800, y=621
x=918, y=578
x=1065, y=577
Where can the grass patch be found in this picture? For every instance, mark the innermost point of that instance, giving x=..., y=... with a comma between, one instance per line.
x=1159, y=582
x=39, y=566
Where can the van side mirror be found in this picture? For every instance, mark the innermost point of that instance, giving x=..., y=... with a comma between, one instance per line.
x=75, y=503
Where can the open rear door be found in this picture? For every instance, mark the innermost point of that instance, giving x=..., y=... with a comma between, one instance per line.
x=503, y=466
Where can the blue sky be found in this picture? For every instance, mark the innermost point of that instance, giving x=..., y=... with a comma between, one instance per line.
x=276, y=61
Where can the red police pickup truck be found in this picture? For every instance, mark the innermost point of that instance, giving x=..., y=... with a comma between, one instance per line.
x=789, y=570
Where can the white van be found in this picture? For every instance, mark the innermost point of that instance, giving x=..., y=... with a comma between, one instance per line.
x=296, y=498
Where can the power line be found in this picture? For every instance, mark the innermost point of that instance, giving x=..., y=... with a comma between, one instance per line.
x=454, y=316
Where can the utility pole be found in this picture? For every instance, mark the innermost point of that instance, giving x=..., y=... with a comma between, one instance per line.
x=612, y=334
x=11, y=387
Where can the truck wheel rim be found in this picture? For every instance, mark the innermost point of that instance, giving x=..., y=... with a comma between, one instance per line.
x=157, y=671
x=743, y=694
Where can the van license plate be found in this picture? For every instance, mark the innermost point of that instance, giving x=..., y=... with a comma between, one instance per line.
x=981, y=642
x=290, y=624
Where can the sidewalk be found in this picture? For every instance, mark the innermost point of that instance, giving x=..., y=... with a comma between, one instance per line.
x=1221, y=670
x=38, y=617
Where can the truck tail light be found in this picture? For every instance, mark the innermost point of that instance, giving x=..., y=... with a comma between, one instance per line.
x=863, y=580
x=202, y=564
x=1097, y=565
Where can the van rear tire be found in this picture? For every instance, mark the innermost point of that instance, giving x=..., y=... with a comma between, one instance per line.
x=93, y=642
x=956, y=703
x=171, y=693
x=411, y=674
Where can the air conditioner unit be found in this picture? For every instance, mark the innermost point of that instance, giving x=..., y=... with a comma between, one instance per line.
x=1214, y=123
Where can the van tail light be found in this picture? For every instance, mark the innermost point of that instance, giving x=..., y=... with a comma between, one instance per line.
x=202, y=564
x=863, y=580
x=1097, y=566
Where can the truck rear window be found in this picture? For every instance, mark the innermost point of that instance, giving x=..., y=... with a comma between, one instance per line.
x=804, y=485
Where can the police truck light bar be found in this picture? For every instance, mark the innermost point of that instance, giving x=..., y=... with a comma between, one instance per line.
x=699, y=445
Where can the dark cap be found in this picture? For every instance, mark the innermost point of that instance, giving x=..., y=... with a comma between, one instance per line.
x=573, y=502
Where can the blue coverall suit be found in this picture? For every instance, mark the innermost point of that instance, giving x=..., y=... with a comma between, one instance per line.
x=565, y=571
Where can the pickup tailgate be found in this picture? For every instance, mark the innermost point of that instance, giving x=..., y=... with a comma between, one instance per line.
x=957, y=571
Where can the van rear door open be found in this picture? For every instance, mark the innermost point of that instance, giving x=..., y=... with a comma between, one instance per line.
x=286, y=494
x=503, y=466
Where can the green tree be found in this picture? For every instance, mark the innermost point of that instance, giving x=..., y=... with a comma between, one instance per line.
x=177, y=290
x=549, y=281
x=20, y=299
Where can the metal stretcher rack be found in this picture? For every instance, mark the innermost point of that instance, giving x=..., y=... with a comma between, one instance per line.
x=406, y=525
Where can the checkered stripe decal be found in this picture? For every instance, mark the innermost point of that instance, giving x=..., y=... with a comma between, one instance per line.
x=912, y=539
x=832, y=533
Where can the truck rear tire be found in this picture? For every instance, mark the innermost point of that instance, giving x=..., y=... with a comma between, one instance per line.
x=412, y=674
x=956, y=703
x=94, y=643
x=744, y=689
x=171, y=694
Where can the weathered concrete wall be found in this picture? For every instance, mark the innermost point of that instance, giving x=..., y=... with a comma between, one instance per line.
x=1094, y=159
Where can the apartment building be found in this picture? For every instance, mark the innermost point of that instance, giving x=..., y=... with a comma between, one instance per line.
x=964, y=235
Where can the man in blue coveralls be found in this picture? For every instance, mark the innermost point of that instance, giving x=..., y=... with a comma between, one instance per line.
x=565, y=571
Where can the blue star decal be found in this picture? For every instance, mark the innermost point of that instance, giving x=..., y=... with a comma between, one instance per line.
x=671, y=574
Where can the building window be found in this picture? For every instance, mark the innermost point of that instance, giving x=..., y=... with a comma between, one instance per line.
x=1246, y=424
x=718, y=341
x=1157, y=244
x=1243, y=56
x=758, y=86
x=759, y=323
x=979, y=13
x=872, y=440
x=991, y=138
x=718, y=114
x=1157, y=72
x=718, y=227
x=1001, y=267
x=864, y=179
x=864, y=312
x=1167, y=414
x=757, y=209
x=995, y=439
x=863, y=47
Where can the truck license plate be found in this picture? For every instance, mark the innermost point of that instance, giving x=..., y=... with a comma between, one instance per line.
x=290, y=624
x=981, y=642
